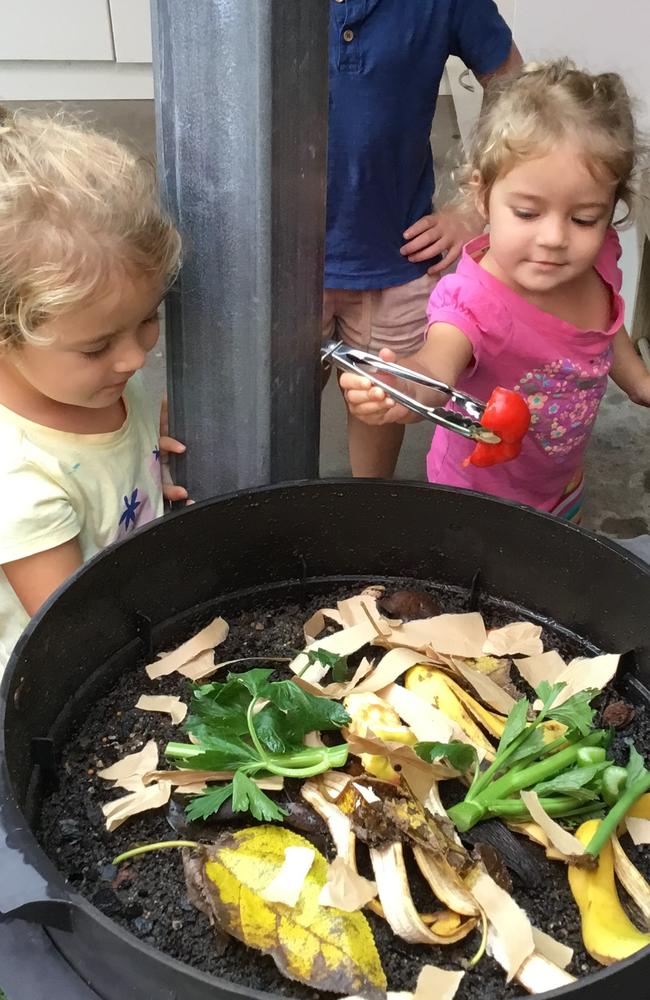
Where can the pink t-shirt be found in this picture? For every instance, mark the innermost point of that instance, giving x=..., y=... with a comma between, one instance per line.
x=560, y=369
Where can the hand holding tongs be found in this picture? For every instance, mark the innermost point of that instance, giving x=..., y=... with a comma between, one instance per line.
x=349, y=358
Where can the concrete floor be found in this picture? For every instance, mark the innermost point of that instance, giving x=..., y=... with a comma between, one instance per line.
x=618, y=464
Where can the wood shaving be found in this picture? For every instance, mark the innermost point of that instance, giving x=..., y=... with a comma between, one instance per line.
x=132, y=767
x=437, y=983
x=401, y=754
x=339, y=689
x=509, y=922
x=120, y=810
x=209, y=637
x=587, y=672
x=201, y=666
x=638, y=829
x=578, y=675
x=391, y=666
x=318, y=622
x=345, y=889
x=347, y=641
x=487, y=689
x=176, y=708
x=545, y=667
x=557, y=835
x=632, y=881
x=556, y=952
x=523, y=638
x=453, y=635
x=287, y=884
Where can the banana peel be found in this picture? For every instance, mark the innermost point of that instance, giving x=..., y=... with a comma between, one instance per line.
x=435, y=688
x=641, y=808
x=608, y=934
x=427, y=682
x=369, y=712
x=439, y=928
x=395, y=897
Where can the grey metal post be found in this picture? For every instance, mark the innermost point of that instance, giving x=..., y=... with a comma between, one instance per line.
x=241, y=115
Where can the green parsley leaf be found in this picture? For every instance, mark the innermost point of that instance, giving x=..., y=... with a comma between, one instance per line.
x=247, y=797
x=305, y=712
x=636, y=768
x=460, y=755
x=515, y=724
x=337, y=664
x=573, y=782
x=576, y=713
x=208, y=803
x=212, y=753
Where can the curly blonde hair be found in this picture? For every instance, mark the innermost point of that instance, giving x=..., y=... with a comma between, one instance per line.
x=546, y=103
x=76, y=208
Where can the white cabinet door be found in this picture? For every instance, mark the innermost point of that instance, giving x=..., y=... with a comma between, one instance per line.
x=131, y=30
x=56, y=30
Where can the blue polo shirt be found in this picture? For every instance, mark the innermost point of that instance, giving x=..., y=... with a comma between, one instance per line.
x=386, y=59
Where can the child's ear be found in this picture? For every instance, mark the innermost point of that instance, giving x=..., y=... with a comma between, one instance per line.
x=480, y=193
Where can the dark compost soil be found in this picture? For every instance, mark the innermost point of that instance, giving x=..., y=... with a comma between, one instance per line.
x=148, y=897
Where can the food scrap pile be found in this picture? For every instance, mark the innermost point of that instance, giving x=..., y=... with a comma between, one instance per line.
x=408, y=737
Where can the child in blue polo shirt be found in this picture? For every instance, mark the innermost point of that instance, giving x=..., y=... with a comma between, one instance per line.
x=385, y=247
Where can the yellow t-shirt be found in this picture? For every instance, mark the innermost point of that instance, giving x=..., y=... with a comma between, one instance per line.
x=55, y=486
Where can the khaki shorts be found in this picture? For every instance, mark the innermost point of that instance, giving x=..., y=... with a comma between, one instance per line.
x=384, y=317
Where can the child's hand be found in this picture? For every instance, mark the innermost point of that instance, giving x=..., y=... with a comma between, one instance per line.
x=369, y=403
x=169, y=445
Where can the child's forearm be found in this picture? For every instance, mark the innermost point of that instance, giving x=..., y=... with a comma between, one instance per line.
x=444, y=356
x=628, y=370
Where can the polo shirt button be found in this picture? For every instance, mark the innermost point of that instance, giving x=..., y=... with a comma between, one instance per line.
x=348, y=35
x=340, y=1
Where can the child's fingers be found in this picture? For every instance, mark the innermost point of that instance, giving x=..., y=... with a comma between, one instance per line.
x=349, y=381
x=171, y=444
x=172, y=492
x=375, y=395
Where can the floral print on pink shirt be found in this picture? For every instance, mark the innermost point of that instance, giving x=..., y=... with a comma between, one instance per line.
x=563, y=398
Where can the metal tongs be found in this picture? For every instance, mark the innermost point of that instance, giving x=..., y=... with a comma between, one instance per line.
x=466, y=423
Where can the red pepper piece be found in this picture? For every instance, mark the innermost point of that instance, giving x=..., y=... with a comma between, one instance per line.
x=492, y=454
x=507, y=414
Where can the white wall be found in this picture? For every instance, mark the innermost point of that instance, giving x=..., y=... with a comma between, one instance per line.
x=75, y=50
x=601, y=36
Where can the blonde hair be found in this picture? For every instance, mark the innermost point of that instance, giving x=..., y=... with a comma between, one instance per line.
x=527, y=115
x=75, y=209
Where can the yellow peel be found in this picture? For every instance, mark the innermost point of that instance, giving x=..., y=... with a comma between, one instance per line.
x=641, y=808
x=432, y=687
x=444, y=882
x=395, y=897
x=607, y=932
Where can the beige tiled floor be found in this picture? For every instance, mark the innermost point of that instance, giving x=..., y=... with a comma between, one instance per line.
x=618, y=467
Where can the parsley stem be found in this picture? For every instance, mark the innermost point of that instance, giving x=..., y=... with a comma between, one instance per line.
x=251, y=729
x=477, y=805
x=146, y=848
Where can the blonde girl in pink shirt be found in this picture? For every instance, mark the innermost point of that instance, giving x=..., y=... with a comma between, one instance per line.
x=534, y=304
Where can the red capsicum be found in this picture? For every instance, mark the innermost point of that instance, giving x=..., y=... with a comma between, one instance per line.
x=507, y=415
